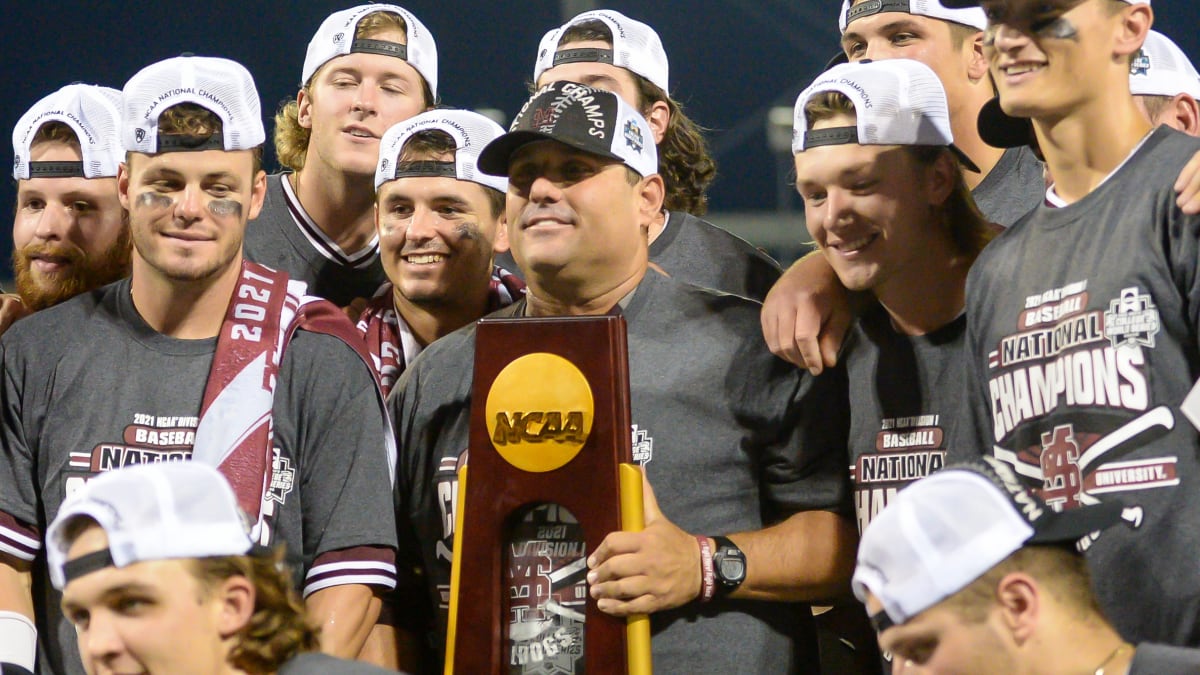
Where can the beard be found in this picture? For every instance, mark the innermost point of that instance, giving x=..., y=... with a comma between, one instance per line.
x=84, y=273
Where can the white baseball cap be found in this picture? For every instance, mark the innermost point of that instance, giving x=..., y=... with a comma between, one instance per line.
x=946, y=530
x=221, y=86
x=336, y=38
x=1162, y=69
x=471, y=133
x=635, y=47
x=972, y=16
x=93, y=113
x=588, y=119
x=975, y=3
x=151, y=512
x=896, y=102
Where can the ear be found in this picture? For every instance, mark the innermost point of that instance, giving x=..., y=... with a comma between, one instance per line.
x=659, y=116
x=1185, y=111
x=651, y=193
x=941, y=178
x=304, y=105
x=123, y=185
x=500, y=243
x=235, y=605
x=258, y=193
x=1019, y=602
x=1135, y=24
x=977, y=65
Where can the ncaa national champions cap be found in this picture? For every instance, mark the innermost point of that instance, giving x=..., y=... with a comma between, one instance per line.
x=336, y=38
x=221, y=86
x=151, y=512
x=946, y=530
x=592, y=120
x=933, y=9
x=896, y=102
x=93, y=113
x=470, y=131
x=635, y=47
x=1162, y=69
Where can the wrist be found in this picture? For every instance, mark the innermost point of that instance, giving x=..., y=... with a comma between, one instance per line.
x=729, y=566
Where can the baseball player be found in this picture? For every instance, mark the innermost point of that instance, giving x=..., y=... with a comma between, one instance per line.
x=969, y=572
x=367, y=68
x=1080, y=329
x=718, y=422
x=159, y=574
x=440, y=222
x=70, y=233
x=608, y=50
x=200, y=356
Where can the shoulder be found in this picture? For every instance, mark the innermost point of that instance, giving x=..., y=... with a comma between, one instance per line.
x=314, y=663
x=670, y=297
x=55, y=327
x=702, y=231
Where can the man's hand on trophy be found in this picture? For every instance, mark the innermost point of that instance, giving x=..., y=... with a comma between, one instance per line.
x=648, y=571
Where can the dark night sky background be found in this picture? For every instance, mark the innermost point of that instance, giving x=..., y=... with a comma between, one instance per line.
x=731, y=60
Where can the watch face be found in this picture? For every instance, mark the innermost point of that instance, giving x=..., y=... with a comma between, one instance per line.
x=732, y=569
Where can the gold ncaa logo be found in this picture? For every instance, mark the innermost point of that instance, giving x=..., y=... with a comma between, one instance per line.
x=539, y=412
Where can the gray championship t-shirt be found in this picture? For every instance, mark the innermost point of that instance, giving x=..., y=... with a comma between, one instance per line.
x=906, y=402
x=1013, y=187
x=284, y=237
x=1082, y=327
x=90, y=387
x=1152, y=659
x=699, y=253
x=323, y=664
x=729, y=435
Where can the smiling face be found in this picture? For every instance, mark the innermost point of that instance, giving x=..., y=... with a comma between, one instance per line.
x=869, y=208
x=436, y=238
x=1051, y=58
x=149, y=617
x=352, y=100
x=188, y=211
x=70, y=235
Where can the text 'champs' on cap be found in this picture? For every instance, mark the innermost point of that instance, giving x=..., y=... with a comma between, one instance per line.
x=592, y=120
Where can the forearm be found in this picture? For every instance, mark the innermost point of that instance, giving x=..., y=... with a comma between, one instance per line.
x=807, y=557
x=346, y=616
x=15, y=587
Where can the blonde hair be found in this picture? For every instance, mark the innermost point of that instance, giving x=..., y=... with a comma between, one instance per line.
x=291, y=139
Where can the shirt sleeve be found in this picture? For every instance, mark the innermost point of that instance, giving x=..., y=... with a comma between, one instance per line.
x=349, y=525
x=19, y=503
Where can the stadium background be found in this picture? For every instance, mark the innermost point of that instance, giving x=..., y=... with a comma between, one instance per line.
x=732, y=61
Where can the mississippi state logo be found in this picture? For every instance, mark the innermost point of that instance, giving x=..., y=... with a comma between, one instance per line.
x=139, y=134
x=1062, y=482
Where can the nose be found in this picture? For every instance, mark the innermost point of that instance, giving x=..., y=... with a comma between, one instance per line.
x=423, y=225
x=837, y=208
x=876, y=50
x=1004, y=37
x=101, y=640
x=365, y=98
x=191, y=204
x=54, y=222
x=544, y=190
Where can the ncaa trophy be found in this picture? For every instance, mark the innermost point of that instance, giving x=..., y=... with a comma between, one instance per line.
x=549, y=475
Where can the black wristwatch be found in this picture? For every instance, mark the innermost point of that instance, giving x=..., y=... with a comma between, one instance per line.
x=729, y=566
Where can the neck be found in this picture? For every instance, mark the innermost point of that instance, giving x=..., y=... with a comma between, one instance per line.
x=342, y=205
x=547, y=297
x=1094, y=649
x=430, y=322
x=964, y=124
x=1083, y=148
x=191, y=310
x=925, y=297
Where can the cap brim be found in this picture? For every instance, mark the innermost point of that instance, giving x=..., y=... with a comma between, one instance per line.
x=964, y=160
x=494, y=158
x=1000, y=130
x=1073, y=524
